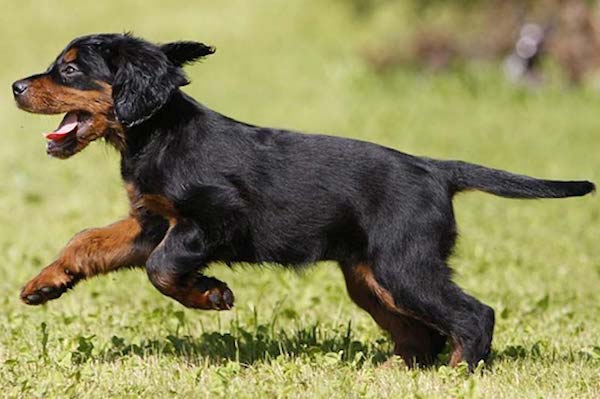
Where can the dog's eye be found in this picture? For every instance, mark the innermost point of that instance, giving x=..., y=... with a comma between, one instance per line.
x=70, y=70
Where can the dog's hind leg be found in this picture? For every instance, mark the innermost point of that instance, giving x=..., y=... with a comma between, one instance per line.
x=414, y=341
x=421, y=287
x=173, y=268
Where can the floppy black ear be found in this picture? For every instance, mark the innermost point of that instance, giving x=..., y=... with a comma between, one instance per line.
x=144, y=80
x=181, y=53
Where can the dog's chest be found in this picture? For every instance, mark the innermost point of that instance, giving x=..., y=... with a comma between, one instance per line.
x=157, y=204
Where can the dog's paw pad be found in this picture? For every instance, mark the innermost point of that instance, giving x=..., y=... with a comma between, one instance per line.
x=220, y=298
x=42, y=295
x=51, y=283
x=52, y=292
x=33, y=299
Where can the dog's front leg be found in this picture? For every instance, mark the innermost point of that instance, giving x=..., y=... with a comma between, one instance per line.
x=173, y=268
x=92, y=252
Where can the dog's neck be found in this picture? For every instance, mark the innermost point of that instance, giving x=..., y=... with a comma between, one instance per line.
x=177, y=112
x=172, y=119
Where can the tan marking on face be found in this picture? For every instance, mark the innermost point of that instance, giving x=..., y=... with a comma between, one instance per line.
x=44, y=96
x=70, y=55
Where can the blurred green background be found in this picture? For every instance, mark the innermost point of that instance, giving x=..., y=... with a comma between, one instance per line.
x=300, y=64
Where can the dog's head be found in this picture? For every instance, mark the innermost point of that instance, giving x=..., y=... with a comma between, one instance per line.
x=105, y=84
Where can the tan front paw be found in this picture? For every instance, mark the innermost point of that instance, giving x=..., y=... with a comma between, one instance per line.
x=209, y=294
x=50, y=284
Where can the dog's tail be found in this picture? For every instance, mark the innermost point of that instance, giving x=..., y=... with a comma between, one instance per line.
x=465, y=176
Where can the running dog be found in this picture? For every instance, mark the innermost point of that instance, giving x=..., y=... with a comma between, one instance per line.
x=205, y=188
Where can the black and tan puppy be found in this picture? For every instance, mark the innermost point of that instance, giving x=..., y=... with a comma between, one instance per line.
x=206, y=188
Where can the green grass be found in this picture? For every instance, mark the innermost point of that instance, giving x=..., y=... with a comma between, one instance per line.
x=295, y=64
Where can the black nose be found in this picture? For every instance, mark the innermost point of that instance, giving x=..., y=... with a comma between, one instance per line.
x=19, y=87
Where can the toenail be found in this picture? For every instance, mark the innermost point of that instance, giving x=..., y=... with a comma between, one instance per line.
x=228, y=297
x=214, y=297
x=52, y=292
x=33, y=298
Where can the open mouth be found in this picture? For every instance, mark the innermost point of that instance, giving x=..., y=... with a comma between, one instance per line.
x=63, y=141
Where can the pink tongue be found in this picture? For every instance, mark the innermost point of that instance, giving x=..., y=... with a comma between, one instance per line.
x=68, y=124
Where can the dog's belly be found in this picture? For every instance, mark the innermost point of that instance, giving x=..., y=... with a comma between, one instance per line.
x=291, y=246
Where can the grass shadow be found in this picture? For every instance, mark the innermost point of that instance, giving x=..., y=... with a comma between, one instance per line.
x=261, y=344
